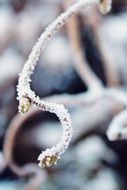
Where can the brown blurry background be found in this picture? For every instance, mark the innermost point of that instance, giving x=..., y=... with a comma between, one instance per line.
x=92, y=162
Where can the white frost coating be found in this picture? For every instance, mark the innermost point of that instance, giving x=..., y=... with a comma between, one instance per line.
x=27, y=97
x=118, y=127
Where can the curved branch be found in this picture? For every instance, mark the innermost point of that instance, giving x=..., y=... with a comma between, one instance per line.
x=29, y=170
x=27, y=97
x=80, y=63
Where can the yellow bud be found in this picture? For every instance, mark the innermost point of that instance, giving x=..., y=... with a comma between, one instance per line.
x=25, y=105
x=48, y=161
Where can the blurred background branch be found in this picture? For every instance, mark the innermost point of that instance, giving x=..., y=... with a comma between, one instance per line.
x=83, y=67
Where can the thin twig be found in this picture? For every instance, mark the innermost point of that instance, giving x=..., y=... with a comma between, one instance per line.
x=89, y=97
x=111, y=72
x=80, y=63
x=29, y=170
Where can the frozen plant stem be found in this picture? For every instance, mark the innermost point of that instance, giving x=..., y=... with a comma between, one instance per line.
x=27, y=97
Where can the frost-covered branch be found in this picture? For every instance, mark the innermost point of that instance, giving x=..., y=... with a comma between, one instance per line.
x=27, y=97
